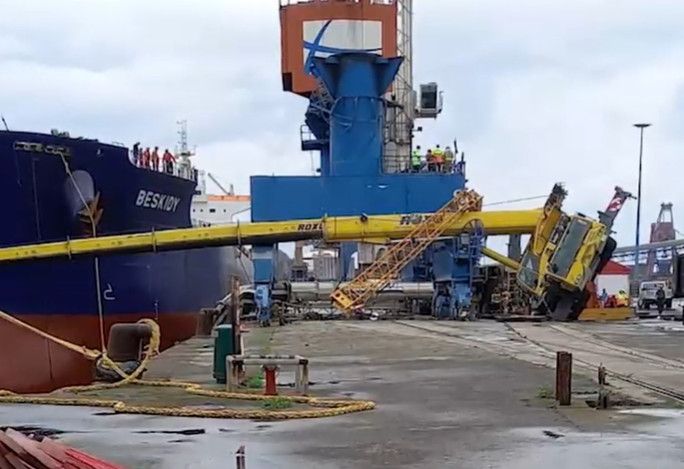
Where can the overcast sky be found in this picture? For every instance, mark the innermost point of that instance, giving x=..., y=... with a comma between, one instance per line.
x=536, y=91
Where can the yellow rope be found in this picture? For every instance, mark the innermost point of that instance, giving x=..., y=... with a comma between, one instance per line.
x=86, y=352
x=320, y=407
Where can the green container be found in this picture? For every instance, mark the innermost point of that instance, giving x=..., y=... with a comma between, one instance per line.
x=224, y=345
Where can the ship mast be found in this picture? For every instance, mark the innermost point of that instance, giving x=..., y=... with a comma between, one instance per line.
x=183, y=153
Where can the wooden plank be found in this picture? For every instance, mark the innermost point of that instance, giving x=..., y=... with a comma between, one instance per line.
x=31, y=446
x=4, y=464
x=91, y=461
x=17, y=463
x=11, y=445
x=54, y=449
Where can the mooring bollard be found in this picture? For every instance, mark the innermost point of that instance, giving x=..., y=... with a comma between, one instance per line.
x=564, y=378
x=240, y=460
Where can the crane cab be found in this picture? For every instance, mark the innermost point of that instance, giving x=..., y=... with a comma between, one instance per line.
x=565, y=253
x=430, y=101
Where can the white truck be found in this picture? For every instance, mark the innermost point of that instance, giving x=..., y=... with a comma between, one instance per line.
x=647, y=293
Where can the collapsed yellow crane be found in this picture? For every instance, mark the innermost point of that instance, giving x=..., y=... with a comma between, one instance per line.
x=387, y=268
x=564, y=253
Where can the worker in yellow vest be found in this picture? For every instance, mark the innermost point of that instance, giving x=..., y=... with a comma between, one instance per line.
x=416, y=160
x=622, y=299
x=438, y=156
x=448, y=160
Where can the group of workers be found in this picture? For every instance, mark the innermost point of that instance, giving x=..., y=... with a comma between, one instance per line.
x=149, y=158
x=435, y=160
x=619, y=300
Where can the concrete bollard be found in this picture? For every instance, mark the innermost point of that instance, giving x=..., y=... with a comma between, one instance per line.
x=302, y=377
x=564, y=378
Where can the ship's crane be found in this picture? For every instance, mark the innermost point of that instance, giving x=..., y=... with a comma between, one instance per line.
x=658, y=267
x=220, y=186
x=387, y=267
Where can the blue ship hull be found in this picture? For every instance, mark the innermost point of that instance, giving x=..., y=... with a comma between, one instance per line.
x=44, y=182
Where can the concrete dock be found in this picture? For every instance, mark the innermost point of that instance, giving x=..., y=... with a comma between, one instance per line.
x=448, y=394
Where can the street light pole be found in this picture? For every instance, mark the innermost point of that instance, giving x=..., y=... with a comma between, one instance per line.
x=641, y=128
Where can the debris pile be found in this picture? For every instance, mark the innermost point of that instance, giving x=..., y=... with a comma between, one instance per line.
x=35, y=452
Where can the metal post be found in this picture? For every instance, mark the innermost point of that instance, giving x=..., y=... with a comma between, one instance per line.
x=564, y=378
x=603, y=401
x=270, y=388
x=235, y=314
x=641, y=128
x=240, y=458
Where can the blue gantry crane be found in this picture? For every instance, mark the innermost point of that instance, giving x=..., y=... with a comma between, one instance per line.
x=360, y=120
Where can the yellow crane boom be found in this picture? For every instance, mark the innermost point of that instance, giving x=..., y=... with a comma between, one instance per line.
x=380, y=228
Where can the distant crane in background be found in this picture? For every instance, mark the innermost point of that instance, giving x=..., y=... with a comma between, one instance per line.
x=662, y=230
x=220, y=186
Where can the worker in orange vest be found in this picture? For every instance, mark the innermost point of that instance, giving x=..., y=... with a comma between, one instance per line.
x=155, y=159
x=438, y=155
x=145, y=160
x=430, y=158
x=168, y=160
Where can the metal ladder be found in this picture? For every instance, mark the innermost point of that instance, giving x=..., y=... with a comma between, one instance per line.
x=387, y=267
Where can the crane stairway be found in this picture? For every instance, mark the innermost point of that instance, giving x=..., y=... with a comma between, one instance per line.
x=388, y=266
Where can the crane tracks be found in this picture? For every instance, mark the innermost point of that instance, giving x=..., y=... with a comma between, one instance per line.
x=592, y=339
x=537, y=352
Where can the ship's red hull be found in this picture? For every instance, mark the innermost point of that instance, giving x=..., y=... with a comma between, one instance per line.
x=31, y=364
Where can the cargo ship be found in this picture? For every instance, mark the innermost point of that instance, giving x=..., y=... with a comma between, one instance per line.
x=55, y=187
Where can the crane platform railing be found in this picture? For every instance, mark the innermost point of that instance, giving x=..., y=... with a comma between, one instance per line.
x=389, y=265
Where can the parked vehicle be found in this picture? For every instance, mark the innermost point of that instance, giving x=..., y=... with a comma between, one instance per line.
x=647, y=293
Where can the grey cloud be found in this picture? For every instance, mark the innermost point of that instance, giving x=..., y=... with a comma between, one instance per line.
x=537, y=91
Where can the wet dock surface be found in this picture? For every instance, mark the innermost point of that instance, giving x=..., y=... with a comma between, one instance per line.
x=467, y=395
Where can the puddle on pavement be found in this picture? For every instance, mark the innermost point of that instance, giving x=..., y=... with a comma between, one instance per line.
x=659, y=413
x=188, y=432
x=38, y=431
x=553, y=435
